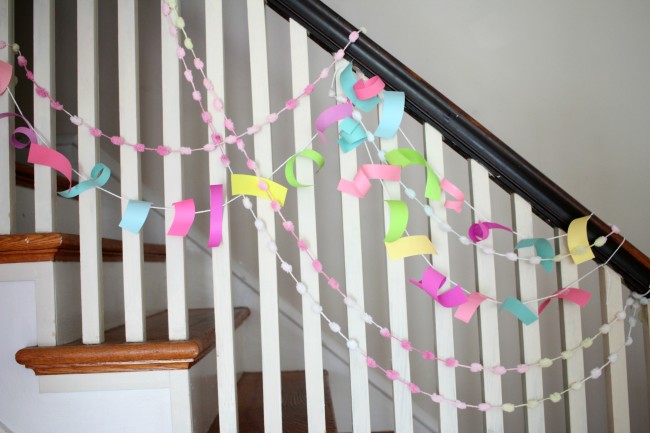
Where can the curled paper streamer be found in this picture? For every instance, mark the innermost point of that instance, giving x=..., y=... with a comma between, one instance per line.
x=452, y=190
x=216, y=216
x=348, y=80
x=361, y=183
x=351, y=134
x=481, y=230
x=519, y=310
x=6, y=72
x=43, y=155
x=543, y=249
x=399, y=218
x=409, y=246
x=184, y=212
x=98, y=178
x=432, y=281
x=367, y=89
x=249, y=185
x=406, y=157
x=289, y=172
x=330, y=116
x=577, y=296
x=391, y=114
x=465, y=312
x=31, y=136
x=135, y=215
x=577, y=240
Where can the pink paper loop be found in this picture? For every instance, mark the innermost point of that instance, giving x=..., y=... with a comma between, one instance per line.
x=432, y=281
x=27, y=132
x=481, y=230
x=43, y=155
x=216, y=216
x=361, y=183
x=577, y=296
x=184, y=212
x=369, y=88
x=6, y=72
x=452, y=190
x=467, y=310
x=330, y=116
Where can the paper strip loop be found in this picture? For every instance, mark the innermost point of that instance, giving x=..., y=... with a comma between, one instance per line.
x=184, y=212
x=98, y=178
x=432, y=281
x=330, y=116
x=43, y=155
x=289, y=172
x=452, y=190
x=578, y=242
x=391, y=114
x=6, y=72
x=135, y=215
x=31, y=136
x=399, y=218
x=543, y=249
x=519, y=310
x=351, y=134
x=577, y=296
x=406, y=157
x=216, y=216
x=409, y=246
x=369, y=88
x=249, y=185
x=481, y=230
x=348, y=80
x=361, y=183
x=465, y=312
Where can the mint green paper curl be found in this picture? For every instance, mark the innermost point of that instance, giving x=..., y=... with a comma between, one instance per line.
x=406, y=157
x=289, y=171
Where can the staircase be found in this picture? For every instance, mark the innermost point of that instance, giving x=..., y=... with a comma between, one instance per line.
x=152, y=332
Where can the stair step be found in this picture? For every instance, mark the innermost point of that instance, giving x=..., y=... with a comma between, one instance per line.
x=294, y=404
x=115, y=355
x=62, y=247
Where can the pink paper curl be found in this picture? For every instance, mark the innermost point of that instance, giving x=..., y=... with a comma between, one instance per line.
x=577, y=296
x=432, y=281
x=481, y=230
x=361, y=183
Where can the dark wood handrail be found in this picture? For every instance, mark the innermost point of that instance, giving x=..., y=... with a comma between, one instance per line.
x=465, y=135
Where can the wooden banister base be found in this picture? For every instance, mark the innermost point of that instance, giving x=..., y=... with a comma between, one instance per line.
x=294, y=404
x=62, y=247
x=115, y=355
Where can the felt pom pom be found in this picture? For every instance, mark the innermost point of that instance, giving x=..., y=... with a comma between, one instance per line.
x=536, y=260
x=216, y=138
x=275, y=205
x=349, y=302
x=335, y=327
x=522, y=368
x=41, y=92
x=309, y=89
x=436, y=398
x=414, y=388
x=587, y=343
x=371, y=362
x=162, y=150
x=499, y=370
x=262, y=185
x=333, y=283
x=356, y=115
x=252, y=130
x=180, y=52
x=301, y=288
x=613, y=357
x=117, y=140
x=217, y=104
x=339, y=55
x=409, y=193
x=272, y=117
x=367, y=318
x=370, y=137
x=445, y=227
x=406, y=345
x=353, y=36
x=225, y=161
x=615, y=229
x=600, y=241
x=273, y=247
x=180, y=22
x=173, y=31
x=302, y=245
x=188, y=43
x=567, y=354
x=140, y=147
x=545, y=362
x=288, y=226
x=508, y=407
x=317, y=308
x=576, y=385
x=392, y=374
x=206, y=116
x=207, y=83
x=196, y=95
x=510, y=256
x=428, y=355
x=324, y=73
x=451, y=362
x=318, y=267
x=15, y=47
x=76, y=120
x=385, y=332
x=22, y=61
x=532, y=404
x=352, y=344
x=259, y=224
x=251, y=165
x=240, y=144
x=29, y=75
x=286, y=267
x=596, y=373
x=229, y=125
x=247, y=203
x=166, y=9
x=186, y=150
x=198, y=63
x=555, y=397
x=291, y=104
x=428, y=211
x=56, y=105
x=484, y=407
x=231, y=139
x=188, y=75
x=475, y=367
x=95, y=132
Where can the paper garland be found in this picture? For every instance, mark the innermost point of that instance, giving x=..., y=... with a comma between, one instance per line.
x=289, y=172
x=543, y=249
x=360, y=186
x=577, y=296
x=409, y=246
x=519, y=310
x=135, y=215
x=407, y=157
x=184, y=212
x=348, y=80
x=398, y=219
x=216, y=216
x=577, y=240
x=481, y=230
x=432, y=281
x=99, y=175
x=6, y=73
x=244, y=184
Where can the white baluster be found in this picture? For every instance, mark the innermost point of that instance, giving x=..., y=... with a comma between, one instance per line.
x=7, y=156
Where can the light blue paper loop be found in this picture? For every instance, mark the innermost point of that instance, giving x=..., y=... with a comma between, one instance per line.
x=391, y=114
x=135, y=215
x=347, y=80
x=98, y=178
x=351, y=134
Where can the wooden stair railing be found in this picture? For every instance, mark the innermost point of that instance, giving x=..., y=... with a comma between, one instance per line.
x=465, y=135
x=62, y=247
x=115, y=355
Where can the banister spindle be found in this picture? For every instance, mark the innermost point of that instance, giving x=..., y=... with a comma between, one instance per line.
x=92, y=290
x=7, y=155
x=128, y=57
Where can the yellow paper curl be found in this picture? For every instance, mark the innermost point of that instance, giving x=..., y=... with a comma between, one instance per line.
x=577, y=241
x=409, y=246
x=248, y=185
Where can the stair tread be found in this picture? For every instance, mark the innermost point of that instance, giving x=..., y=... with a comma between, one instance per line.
x=116, y=355
x=294, y=404
x=63, y=247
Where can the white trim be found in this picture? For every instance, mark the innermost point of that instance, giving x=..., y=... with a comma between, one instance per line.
x=103, y=381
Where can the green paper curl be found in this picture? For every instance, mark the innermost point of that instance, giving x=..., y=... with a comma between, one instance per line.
x=406, y=157
x=289, y=171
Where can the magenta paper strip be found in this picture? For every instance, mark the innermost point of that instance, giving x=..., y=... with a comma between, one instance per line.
x=481, y=230
x=577, y=296
x=31, y=136
x=369, y=88
x=6, y=72
x=455, y=192
x=432, y=281
x=361, y=183
x=330, y=116
x=184, y=212
x=216, y=215
x=43, y=155
x=467, y=310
